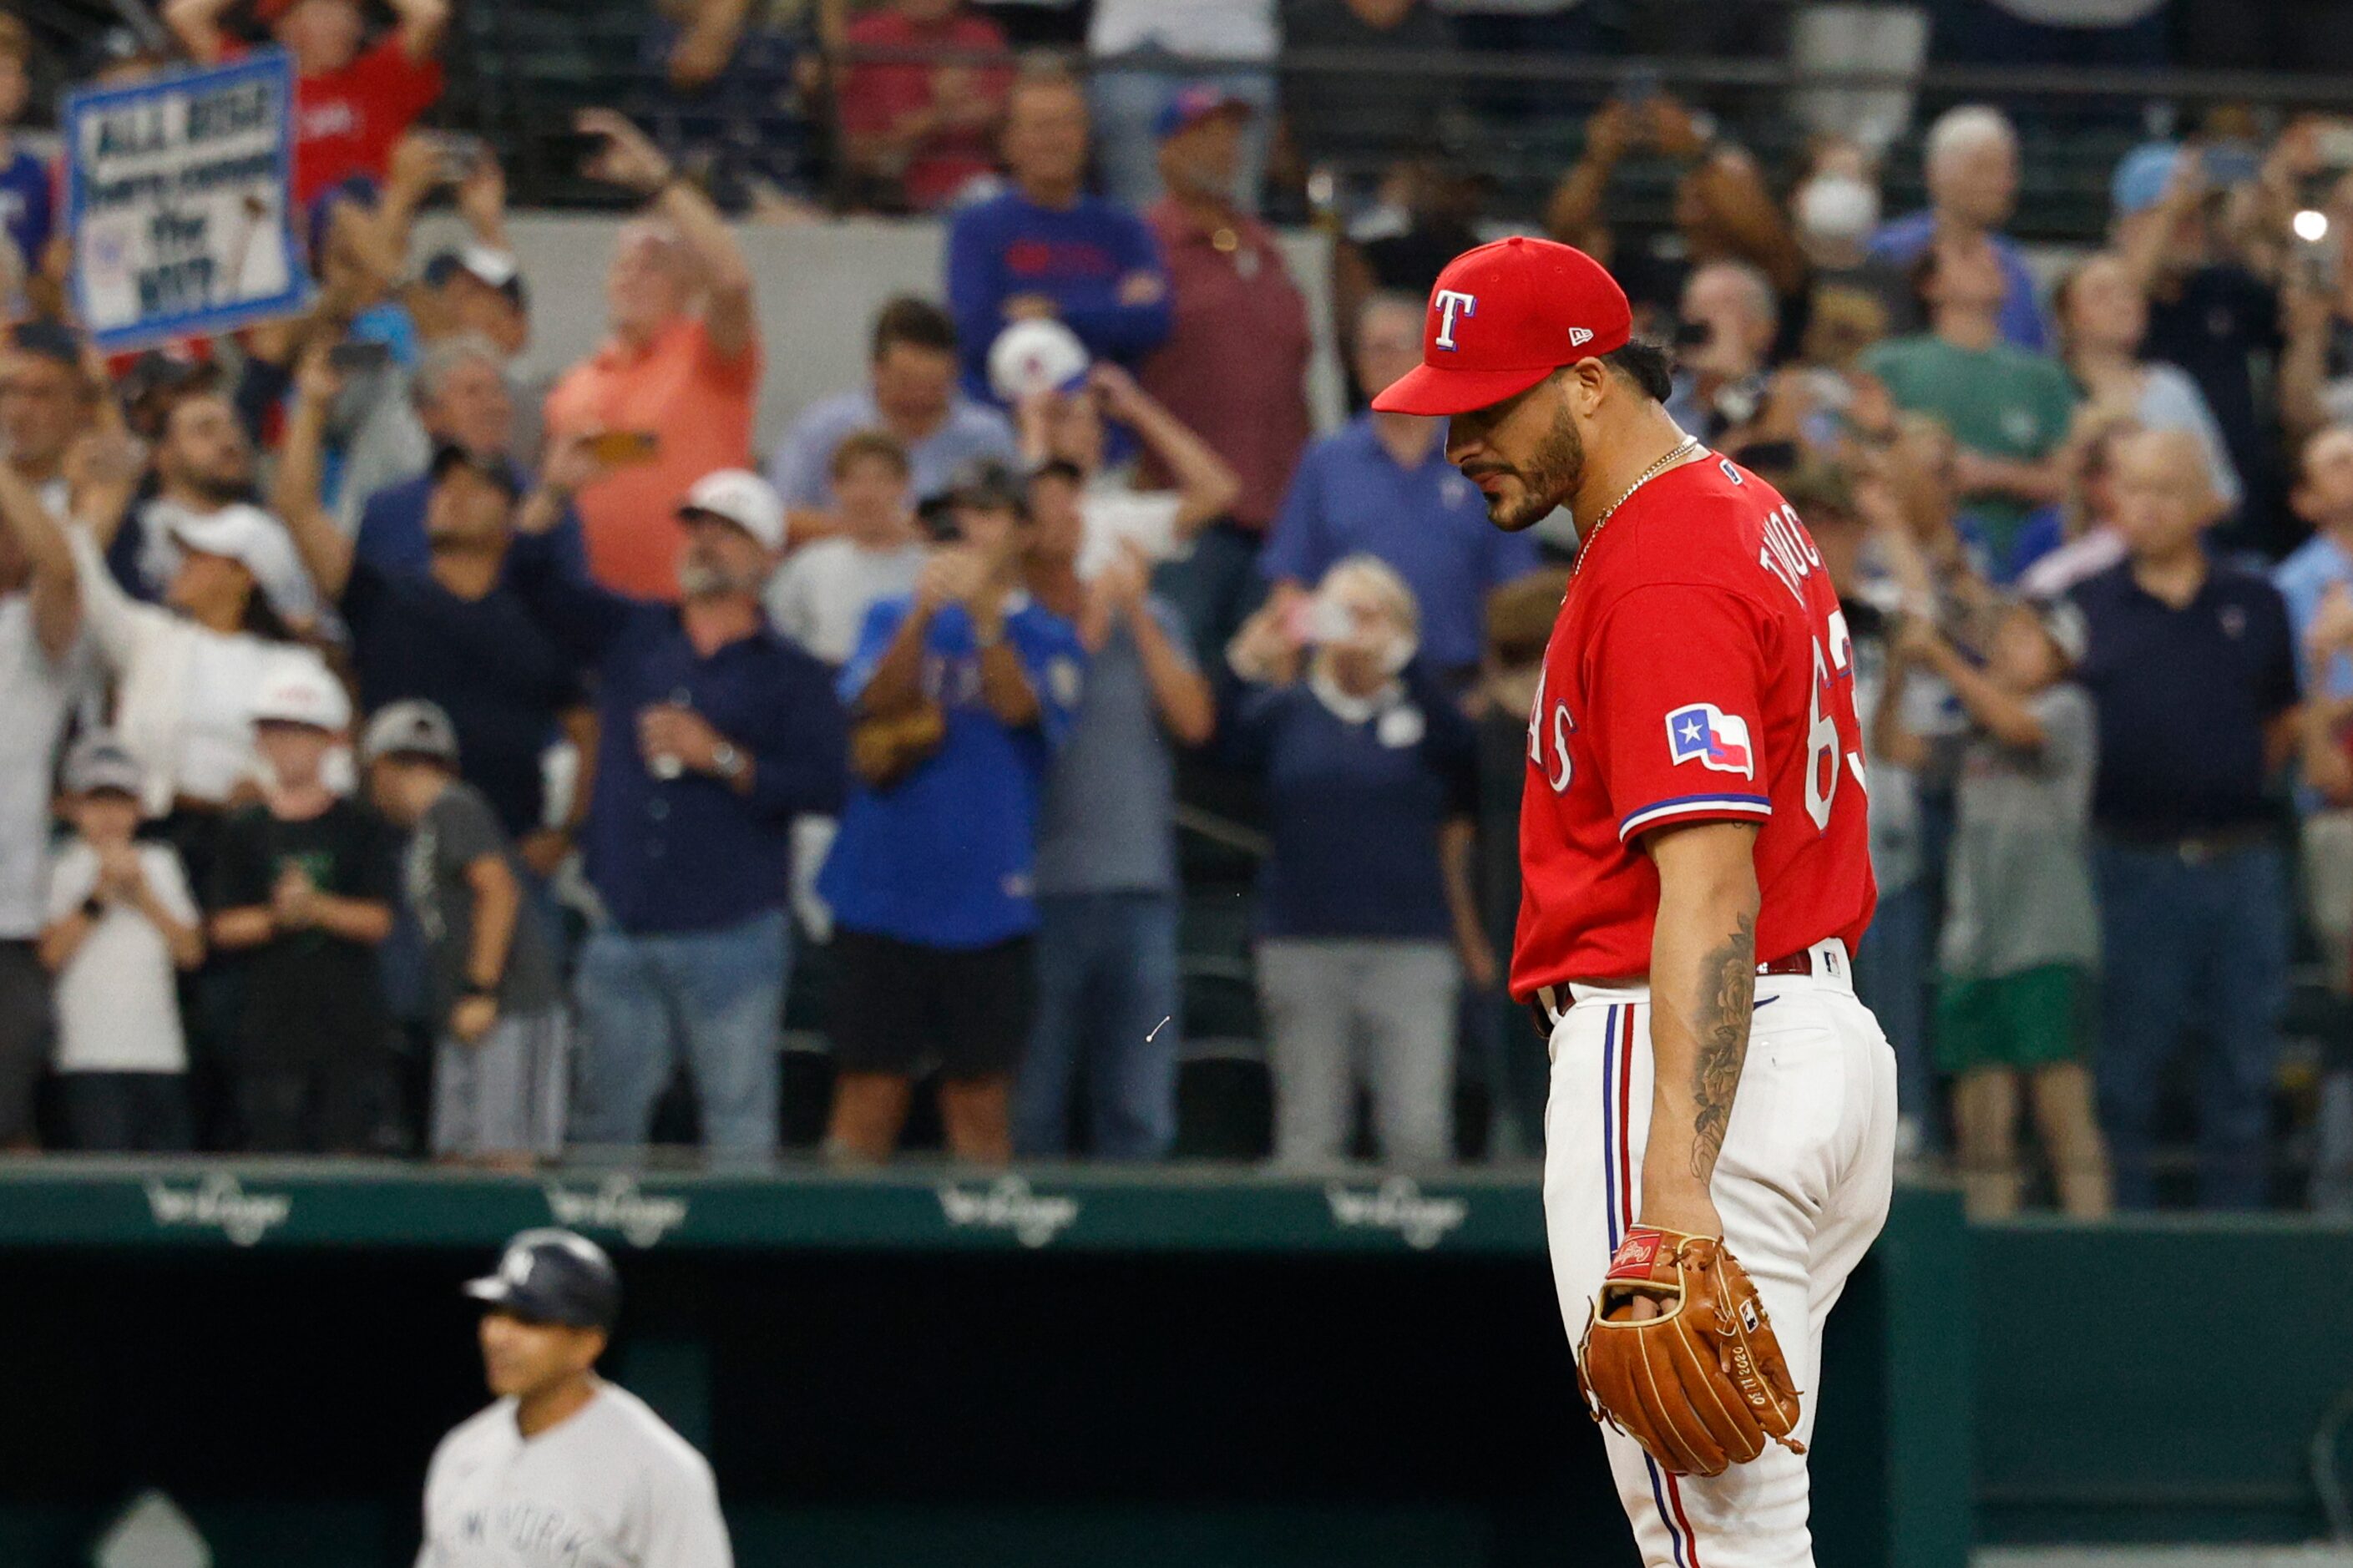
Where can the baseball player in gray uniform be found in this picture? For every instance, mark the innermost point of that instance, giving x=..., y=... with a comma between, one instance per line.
x=565, y=1470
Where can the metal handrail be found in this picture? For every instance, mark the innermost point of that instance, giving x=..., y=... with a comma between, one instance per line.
x=2285, y=89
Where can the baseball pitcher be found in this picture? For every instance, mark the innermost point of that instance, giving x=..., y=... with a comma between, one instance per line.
x=1719, y=1139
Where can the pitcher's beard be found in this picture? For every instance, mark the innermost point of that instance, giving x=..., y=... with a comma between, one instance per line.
x=1557, y=471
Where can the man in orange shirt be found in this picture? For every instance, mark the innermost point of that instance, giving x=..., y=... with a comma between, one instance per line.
x=679, y=372
x=351, y=103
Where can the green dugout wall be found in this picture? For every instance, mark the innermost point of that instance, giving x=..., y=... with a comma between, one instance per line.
x=1168, y=1371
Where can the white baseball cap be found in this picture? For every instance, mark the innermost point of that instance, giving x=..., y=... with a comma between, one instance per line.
x=1035, y=356
x=241, y=533
x=299, y=691
x=99, y=761
x=244, y=533
x=742, y=498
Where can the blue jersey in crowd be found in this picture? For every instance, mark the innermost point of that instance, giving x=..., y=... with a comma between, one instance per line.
x=2304, y=579
x=1078, y=256
x=1355, y=794
x=27, y=207
x=944, y=856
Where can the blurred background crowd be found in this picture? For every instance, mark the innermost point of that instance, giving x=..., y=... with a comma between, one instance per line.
x=1065, y=738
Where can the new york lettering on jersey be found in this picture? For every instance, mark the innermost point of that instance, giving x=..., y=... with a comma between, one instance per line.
x=1699, y=671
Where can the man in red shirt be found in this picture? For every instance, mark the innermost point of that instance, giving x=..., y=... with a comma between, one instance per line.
x=351, y=104
x=1234, y=367
x=924, y=130
x=1695, y=806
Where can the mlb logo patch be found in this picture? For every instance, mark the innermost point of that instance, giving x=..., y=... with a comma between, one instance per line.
x=1706, y=734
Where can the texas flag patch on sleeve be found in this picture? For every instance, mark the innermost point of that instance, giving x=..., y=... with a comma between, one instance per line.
x=1706, y=734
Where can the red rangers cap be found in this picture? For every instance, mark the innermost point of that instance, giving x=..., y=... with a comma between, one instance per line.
x=1505, y=316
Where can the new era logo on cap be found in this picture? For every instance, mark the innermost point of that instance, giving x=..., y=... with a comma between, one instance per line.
x=1505, y=316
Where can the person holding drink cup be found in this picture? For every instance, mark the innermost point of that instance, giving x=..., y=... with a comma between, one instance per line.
x=715, y=733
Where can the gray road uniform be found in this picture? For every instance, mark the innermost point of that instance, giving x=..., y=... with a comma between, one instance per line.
x=613, y=1487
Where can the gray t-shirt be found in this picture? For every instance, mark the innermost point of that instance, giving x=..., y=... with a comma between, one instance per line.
x=611, y=1487
x=459, y=829
x=1110, y=798
x=2021, y=874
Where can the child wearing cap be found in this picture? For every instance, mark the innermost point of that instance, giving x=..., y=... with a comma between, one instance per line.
x=301, y=893
x=121, y=926
x=2020, y=932
x=504, y=1036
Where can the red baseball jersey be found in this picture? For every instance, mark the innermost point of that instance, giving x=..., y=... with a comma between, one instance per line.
x=1699, y=671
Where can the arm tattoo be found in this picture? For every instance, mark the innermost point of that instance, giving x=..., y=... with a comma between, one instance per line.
x=1727, y=992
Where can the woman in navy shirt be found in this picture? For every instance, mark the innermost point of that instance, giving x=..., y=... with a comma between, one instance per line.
x=1365, y=901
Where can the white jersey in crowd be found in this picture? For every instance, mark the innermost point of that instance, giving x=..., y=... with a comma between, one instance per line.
x=611, y=1487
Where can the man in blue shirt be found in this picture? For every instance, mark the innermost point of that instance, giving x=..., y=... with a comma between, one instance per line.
x=912, y=394
x=27, y=205
x=961, y=692
x=2321, y=568
x=715, y=733
x=458, y=395
x=1381, y=485
x=1971, y=161
x=1048, y=249
x=2193, y=671
x=446, y=629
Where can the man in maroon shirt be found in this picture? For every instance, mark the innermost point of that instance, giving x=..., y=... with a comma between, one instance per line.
x=351, y=104
x=921, y=131
x=1234, y=368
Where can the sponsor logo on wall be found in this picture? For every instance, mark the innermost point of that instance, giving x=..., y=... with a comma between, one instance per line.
x=218, y=1203
x=615, y=1204
x=1008, y=1204
x=1398, y=1206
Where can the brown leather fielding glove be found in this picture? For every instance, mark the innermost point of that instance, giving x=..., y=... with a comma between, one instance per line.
x=884, y=749
x=1702, y=1385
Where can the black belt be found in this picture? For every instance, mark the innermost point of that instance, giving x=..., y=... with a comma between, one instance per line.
x=2196, y=849
x=1541, y=1002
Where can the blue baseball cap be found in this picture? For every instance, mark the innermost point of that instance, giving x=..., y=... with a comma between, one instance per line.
x=551, y=1276
x=2142, y=175
x=1193, y=104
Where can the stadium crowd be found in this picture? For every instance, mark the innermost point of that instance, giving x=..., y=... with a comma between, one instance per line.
x=403, y=754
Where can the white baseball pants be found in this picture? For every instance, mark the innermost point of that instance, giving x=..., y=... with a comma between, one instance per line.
x=1803, y=1184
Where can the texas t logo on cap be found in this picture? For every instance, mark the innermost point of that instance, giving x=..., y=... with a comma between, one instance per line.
x=1539, y=306
x=1448, y=303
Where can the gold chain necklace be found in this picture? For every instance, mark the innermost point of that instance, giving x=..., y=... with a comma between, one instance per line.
x=1586, y=537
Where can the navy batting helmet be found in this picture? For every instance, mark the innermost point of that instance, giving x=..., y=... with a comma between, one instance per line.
x=553, y=1276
